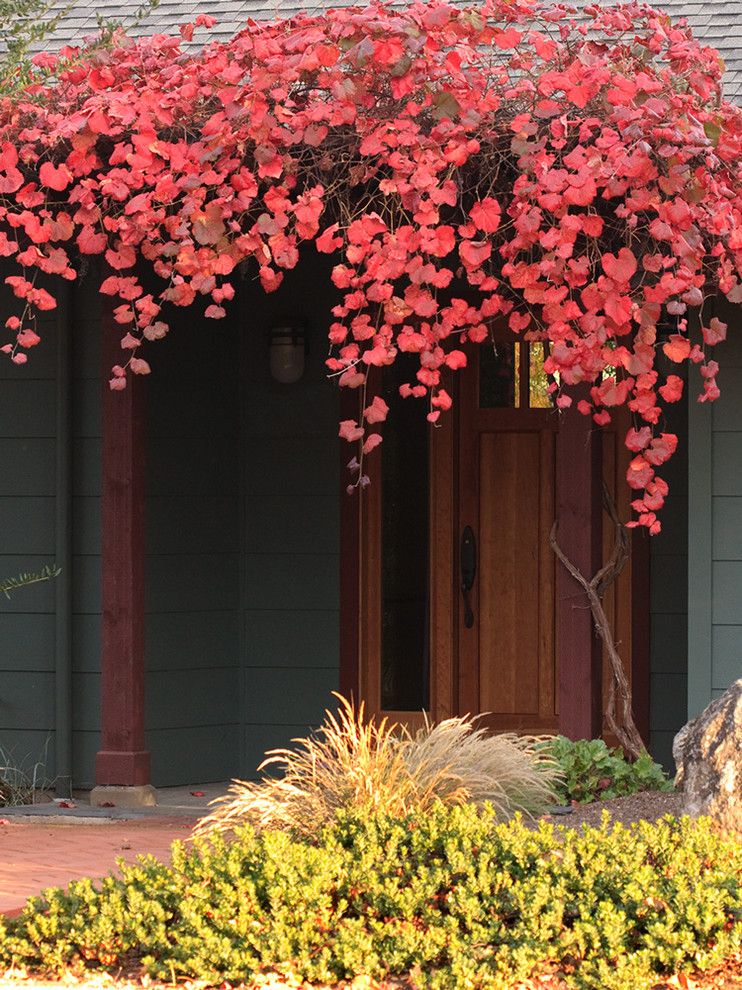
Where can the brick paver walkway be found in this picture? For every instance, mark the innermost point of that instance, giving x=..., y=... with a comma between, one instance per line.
x=34, y=856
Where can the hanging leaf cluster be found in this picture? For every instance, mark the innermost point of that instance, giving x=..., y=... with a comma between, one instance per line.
x=572, y=175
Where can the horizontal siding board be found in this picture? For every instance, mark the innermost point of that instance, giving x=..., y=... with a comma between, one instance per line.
x=727, y=528
x=288, y=696
x=669, y=702
x=86, y=408
x=84, y=747
x=727, y=415
x=86, y=639
x=86, y=701
x=674, y=516
x=668, y=591
x=727, y=655
x=192, y=467
x=259, y=739
x=42, y=362
x=28, y=408
x=300, y=581
x=181, y=358
x=289, y=464
x=212, y=409
x=727, y=597
x=182, y=640
x=669, y=643
x=26, y=700
x=310, y=409
x=728, y=353
x=727, y=464
x=26, y=642
x=181, y=698
x=86, y=584
x=27, y=525
x=292, y=524
x=194, y=755
x=86, y=466
x=292, y=638
x=183, y=524
x=86, y=524
x=27, y=467
x=198, y=582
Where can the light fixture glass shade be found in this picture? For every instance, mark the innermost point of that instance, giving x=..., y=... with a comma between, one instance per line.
x=287, y=354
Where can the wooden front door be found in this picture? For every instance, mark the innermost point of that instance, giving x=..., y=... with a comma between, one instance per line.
x=505, y=481
x=486, y=473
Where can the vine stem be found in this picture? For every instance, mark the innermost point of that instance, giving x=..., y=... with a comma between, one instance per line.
x=620, y=718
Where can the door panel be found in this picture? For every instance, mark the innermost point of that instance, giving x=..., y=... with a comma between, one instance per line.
x=509, y=573
x=506, y=493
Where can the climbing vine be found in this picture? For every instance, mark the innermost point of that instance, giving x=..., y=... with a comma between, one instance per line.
x=574, y=176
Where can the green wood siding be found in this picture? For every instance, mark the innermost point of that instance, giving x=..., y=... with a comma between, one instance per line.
x=27, y=542
x=715, y=532
x=27, y=537
x=192, y=574
x=291, y=482
x=242, y=538
x=669, y=599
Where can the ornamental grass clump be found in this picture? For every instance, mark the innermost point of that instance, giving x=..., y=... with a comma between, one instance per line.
x=354, y=762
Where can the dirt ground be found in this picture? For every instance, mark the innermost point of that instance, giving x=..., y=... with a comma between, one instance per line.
x=726, y=977
x=646, y=805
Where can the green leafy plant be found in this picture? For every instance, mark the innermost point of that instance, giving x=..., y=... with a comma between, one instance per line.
x=26, y=25
x=354, y=762
x=23, y=24
x=591, y=770
x=447, y=897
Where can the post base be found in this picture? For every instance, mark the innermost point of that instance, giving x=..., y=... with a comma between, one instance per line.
x=122, y=768
x=138, y=796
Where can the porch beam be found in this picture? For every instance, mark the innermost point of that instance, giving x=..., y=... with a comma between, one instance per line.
x=579, y=514
x=122, y=769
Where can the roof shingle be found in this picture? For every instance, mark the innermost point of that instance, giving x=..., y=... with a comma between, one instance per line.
x=717, y=23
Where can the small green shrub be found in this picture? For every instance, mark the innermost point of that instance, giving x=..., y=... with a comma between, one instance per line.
x=449, y=897
x=591, y=771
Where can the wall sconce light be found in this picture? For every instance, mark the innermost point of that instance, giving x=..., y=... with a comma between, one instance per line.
x=288, y=349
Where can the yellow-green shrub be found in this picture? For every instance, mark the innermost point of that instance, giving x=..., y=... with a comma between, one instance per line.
x=447, y=895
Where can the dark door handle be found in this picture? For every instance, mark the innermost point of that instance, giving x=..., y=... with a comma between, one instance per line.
x=468, y=558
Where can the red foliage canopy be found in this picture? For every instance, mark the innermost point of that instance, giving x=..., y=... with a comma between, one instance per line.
x=578, y=173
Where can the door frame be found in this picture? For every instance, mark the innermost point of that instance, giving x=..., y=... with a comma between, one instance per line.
x=441, y=562
x=359, y=598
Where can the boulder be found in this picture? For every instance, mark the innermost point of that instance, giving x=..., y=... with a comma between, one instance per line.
x=708, y=755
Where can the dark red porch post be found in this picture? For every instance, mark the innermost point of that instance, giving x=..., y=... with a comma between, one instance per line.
x=579, y=515
x=123, y=761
